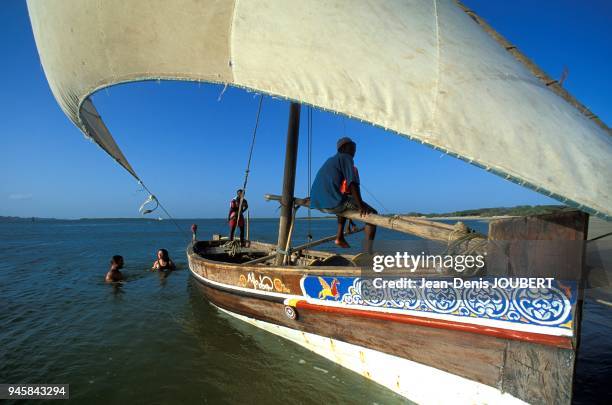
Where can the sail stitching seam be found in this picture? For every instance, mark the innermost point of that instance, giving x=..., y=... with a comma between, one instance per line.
x=501, y=172
x=434, y=112
x=230, y=36
x=103, y=39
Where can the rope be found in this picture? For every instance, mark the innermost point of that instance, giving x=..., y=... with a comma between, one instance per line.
x=288, y=245
x=309, y=236
x=222, y=92
x=375, y=199
x=461, y=245
x=248, y=167
x=600, y=237
x=181, y=230
x=466, y=238
x=466, y=235
x=149, y=200
x=233, y=246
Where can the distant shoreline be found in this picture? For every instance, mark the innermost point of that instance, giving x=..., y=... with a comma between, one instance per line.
x=483, y=214
x=441, y=217
x=470, y=217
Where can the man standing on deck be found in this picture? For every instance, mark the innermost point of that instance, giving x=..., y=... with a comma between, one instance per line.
x=234, y=219
x=327, y=196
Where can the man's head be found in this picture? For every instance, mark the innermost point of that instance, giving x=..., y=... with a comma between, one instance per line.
x=239, y=192
x=346, y=145
x=117, y=261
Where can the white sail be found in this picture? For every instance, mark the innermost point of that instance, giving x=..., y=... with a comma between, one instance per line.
x=423, y=69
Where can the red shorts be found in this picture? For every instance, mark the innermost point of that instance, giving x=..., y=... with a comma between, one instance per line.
x=232, y=222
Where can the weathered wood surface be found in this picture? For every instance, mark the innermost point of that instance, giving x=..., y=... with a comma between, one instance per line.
x=551, y=245
x=232, y=269
x=443, y=349
x=539, y=374
x=241, y=275
x=529, y=371
x=286, y=215
x=302, y=247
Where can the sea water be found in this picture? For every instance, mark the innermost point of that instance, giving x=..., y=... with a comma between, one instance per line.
x=154, y=339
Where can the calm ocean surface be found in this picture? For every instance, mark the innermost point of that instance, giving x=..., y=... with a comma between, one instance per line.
x=155, y=339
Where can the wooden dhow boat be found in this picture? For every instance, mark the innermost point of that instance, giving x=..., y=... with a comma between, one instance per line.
x=431, y=71
x=482, y=344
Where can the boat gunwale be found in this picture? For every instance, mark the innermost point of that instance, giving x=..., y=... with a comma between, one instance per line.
x=297, y=300
x=558, y=341
x=308, y=270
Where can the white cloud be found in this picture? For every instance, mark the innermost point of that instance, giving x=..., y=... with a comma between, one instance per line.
x=20, y=196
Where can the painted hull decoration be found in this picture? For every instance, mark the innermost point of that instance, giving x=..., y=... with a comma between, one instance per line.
x=482, y=344
x=263, y=283
x=547, y=310
x=485, y=340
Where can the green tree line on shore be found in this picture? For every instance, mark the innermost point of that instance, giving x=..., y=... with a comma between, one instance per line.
x=519, y=210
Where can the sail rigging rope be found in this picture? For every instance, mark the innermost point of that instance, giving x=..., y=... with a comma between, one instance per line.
x=600, y=237
x=149, y=200
x=232, y=245
x=153, y=198
x=309, y=236
x=462, y=246
x=386, y=211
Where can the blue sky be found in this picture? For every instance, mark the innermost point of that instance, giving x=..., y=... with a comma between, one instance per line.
x=191, y=150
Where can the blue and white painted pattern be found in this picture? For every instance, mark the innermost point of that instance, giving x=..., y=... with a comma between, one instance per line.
x=549, y=307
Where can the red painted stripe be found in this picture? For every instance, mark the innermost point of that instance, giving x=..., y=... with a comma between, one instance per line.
x=558, y=341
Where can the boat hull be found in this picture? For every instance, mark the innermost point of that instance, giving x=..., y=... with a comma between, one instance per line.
x=478, y=357
x=374, y=357
x=409, y=379
x=472, y=366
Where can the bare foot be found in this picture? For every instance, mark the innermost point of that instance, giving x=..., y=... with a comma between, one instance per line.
x=342, y=243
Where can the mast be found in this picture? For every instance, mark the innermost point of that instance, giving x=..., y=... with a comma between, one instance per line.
x=293, y=132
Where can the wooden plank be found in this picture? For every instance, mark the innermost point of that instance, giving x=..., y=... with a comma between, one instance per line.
x=532, y=372
x=558, y=341
x=442, y=349
x=257, y=278
x=539, y=374
x=551, y=245
x=420, y=227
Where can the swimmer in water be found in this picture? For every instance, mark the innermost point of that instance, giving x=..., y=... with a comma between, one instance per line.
x=163, y=261
x=114, y=274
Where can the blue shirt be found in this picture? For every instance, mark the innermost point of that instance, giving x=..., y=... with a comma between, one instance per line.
x=325, y=192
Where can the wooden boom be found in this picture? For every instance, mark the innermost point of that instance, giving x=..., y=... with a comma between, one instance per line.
x=458, y=234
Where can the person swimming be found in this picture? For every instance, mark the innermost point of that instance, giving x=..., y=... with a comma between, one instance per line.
x=163, y=261
x=114, y=274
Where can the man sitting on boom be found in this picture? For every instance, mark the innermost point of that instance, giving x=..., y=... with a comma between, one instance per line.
x=327, y=195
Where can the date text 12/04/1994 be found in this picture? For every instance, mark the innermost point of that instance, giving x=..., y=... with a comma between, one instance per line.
x=34, y=391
